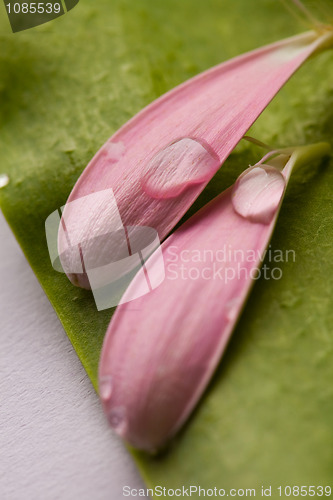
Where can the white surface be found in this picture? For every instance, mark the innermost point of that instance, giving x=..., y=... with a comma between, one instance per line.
x=54, y=440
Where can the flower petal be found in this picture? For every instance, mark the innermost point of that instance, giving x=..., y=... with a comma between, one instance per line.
x=159, y=162
x=161, y=350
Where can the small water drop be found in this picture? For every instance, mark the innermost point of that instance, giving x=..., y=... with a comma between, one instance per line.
x=4, y=180
x=232, y=309
x=114, y=150
x=184, y=163
x=118, y=421
x=105, y=387
x=257, y=193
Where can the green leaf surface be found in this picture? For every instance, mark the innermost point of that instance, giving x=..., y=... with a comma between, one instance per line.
x=65, y=87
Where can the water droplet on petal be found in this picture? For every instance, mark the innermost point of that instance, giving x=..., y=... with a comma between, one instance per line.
x=114, y=150
x=4, y=180
x=118, y=421
x=233, y=308
x=184, y=163
x=105, y=387
x=258, y=192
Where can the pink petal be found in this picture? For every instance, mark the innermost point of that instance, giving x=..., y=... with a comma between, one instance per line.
x=159, y=162
x=161, y=350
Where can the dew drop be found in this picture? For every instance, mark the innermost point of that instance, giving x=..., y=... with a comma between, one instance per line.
x=232, y=309
x=114, y=150
x=105, y=387
x=118, y=421
x=184, y=163
x=257, y=193
x=4, y=180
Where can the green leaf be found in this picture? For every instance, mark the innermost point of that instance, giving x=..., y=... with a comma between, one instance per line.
x=65, y=87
